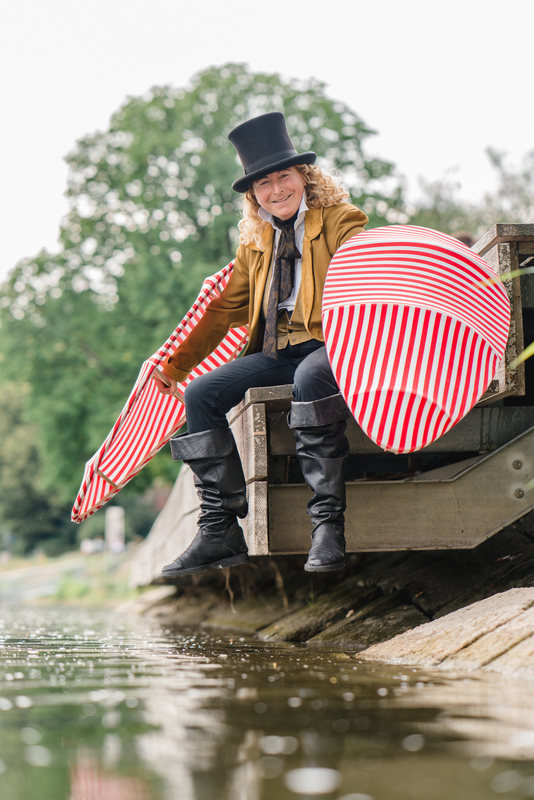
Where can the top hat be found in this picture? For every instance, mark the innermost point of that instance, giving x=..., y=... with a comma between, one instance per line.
x=263, y=146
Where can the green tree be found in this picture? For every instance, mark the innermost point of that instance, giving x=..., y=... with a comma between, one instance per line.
x=513, y=201
x=28, y=514
x=441, y=209
x=151, y=214
x=440, y=206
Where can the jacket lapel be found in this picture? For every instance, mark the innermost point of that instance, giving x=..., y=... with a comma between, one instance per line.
x=261, y=269
x=313, y=225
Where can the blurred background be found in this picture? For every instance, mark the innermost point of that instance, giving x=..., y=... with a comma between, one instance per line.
x=116, y=198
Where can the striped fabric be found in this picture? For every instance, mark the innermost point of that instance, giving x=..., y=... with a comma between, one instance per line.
x=149, y=419
x=415, y=326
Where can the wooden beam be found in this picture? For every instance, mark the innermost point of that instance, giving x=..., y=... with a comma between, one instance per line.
x=458, y=512
x=483, y=429
x=504, y=232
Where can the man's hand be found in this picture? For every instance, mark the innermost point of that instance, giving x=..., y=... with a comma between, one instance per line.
x=171, y=388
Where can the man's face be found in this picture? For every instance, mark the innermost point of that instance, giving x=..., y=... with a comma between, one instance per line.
x=280, y=193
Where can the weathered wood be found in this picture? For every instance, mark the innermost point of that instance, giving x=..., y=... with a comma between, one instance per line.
x=504, y=232
x=318, y=612
x=430, y=644
x=273, y=397
x=494, y=644
x=250, y=433
x=515, y=378
x=518, y=662
x=437, y=509
x=255, y=523
x=418, y=514
x=483, y=429
x=376, y=622
x=252, y=614
x=503, y=259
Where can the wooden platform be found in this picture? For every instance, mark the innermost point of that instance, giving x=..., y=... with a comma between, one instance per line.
x=454, y=506
x=453, y=494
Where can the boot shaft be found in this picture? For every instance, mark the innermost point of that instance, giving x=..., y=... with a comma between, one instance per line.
x=322, y=449
x=219, y=478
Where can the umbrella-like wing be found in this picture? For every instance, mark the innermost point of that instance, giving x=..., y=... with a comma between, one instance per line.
x=415, y=326
x=149, y=418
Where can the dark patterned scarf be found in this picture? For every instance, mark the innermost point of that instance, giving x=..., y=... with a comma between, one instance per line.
x=283, y=279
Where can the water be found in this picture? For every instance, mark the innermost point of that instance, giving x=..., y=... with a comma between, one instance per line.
x=98, y=707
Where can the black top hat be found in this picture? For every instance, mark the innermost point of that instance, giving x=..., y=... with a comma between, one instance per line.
x=263, y=146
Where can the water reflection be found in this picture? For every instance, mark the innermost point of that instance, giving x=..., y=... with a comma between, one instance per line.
x=94, y=707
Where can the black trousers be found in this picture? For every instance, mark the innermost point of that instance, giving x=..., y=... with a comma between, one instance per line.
x=209, y=397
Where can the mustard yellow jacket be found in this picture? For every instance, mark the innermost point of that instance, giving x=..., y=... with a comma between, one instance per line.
x=325, y=229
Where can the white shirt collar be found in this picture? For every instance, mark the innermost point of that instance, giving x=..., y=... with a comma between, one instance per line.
x=268, y=217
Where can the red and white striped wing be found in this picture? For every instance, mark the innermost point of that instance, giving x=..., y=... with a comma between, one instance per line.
x=415, y=326
x=149, y=419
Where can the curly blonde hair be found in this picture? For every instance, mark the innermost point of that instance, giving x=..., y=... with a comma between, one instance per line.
x=322, y=190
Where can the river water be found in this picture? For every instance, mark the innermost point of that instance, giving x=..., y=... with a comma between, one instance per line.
x=97, y=706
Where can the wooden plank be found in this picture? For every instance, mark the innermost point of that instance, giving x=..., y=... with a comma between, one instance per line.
x=482, y=429
x=379, y=517
x=375, y=622
x=255, y=523
x=494, y=644
x=304, y=623
x=430, y=644
x=503, y=259
x=518, y=662
x=515, y=379
x=250, y=432
x=274, y=398
x=417, y=514
x=504, y=232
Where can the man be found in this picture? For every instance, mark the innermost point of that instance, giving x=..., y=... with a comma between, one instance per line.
x=295, y=216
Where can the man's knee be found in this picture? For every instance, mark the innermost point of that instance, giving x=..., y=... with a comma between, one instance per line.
x=314, y=379
x=197, y=392
x=303, y=383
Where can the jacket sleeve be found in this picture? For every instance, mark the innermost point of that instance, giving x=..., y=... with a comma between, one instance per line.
x=348, y=220
x=227, y=311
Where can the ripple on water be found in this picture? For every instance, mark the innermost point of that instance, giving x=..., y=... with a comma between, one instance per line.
x=142, y=712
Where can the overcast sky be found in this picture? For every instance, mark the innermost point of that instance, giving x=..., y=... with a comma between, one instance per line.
x=440, y=82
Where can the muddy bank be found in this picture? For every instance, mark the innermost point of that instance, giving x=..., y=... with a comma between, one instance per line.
x=377, y=597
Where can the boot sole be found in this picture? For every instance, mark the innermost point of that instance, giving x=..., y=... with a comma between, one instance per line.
x=232, y=561
x=325, y=567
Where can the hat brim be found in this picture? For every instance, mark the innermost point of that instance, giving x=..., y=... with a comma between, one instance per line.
x=244, y=183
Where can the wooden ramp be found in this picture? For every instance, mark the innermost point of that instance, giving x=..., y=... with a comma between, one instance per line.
x=495, y=634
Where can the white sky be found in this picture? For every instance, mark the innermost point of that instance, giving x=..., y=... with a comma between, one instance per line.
x=438, y=81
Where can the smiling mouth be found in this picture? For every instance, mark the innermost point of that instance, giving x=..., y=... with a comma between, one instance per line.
x=283, y=200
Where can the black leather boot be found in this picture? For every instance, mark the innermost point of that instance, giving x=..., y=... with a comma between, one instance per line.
x=219, y=542
x=322, y=449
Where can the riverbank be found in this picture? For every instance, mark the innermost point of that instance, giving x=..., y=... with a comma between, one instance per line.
x=376, y=598
x=99, y=579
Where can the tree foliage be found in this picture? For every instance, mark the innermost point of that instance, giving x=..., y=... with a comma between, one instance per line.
x=513, y=200
x=151, y=214
x=28, y=514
